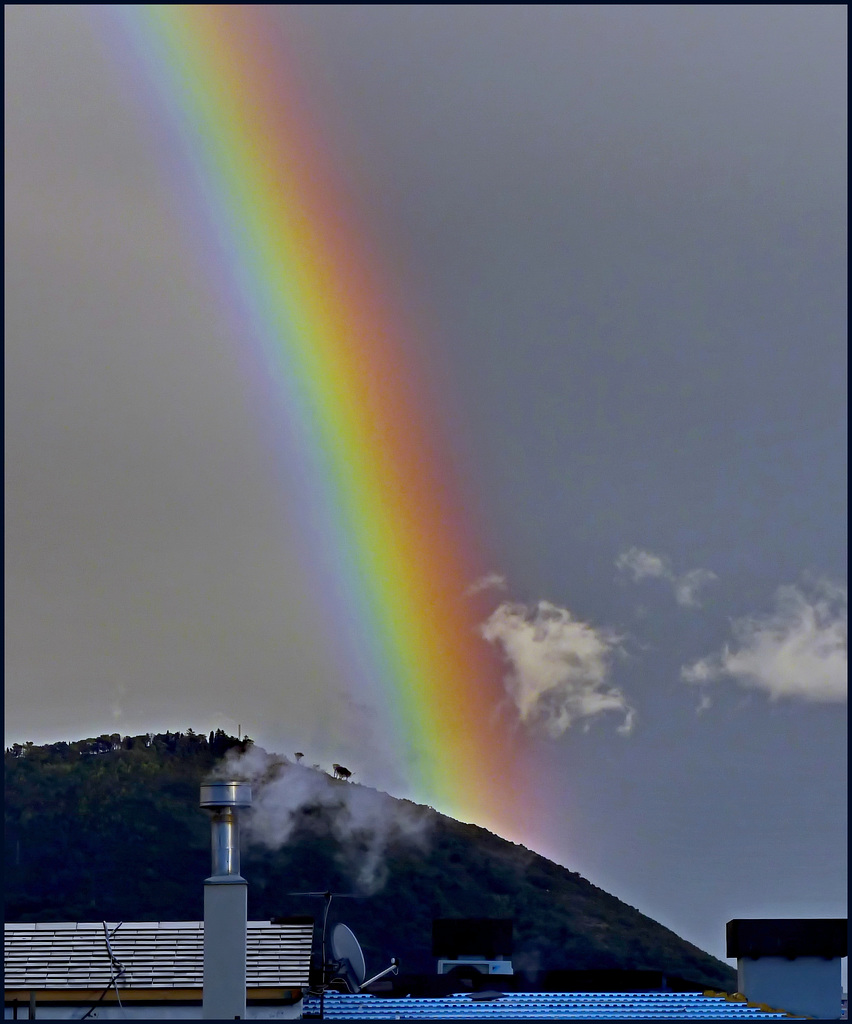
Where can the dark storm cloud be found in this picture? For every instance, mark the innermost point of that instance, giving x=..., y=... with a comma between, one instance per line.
x=619, y=233
x=635, y=215
x=625, y=229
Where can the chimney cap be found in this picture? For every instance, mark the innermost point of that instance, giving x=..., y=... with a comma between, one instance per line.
x=225, y=794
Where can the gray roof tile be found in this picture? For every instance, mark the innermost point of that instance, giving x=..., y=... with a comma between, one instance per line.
x=160, y=954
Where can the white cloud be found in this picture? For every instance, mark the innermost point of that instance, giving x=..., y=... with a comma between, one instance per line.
x=491, y=581
x=703, y=704
x=642, y=564
x=798, y=650
x=686, y=587
x=559, y=666
x=646, y=565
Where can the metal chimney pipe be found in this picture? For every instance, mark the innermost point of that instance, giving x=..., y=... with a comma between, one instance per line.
x=222, y=799
x=225, y=902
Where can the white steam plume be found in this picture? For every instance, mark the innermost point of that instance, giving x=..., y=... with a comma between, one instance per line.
x=799, y=650
x=646, y=565
x=364, y=822
x=558, y=666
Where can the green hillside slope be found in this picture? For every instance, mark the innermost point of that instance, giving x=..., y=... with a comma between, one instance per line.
x=110, y=829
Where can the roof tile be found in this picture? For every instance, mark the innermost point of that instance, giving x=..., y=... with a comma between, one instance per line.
x=540, y=1006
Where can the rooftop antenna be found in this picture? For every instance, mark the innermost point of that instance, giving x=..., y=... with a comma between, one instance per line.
x=117, y=969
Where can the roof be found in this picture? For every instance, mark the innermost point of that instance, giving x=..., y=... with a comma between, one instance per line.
x=787, y=937
x=155, y=955
x=543, y=1006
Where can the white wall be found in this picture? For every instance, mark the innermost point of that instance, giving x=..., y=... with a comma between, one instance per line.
x=808, y=985
x=137, y=1011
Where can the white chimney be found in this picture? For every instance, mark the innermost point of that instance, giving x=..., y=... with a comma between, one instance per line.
x=789, y=964
x=225, y=905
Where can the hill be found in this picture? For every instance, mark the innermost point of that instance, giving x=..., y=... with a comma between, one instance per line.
x=109, y=828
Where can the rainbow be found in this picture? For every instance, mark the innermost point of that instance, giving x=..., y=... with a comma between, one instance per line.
x=384, y=519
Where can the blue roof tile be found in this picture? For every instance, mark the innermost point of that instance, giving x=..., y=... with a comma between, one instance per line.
x=541, y=1006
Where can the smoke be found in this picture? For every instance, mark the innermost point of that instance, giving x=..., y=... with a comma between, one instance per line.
x=559, y=666
x=364, y=822
x=646, y=565
x=799, y=650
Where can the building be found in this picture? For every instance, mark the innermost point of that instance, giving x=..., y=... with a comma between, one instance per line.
x=791, y=962
x=154, y=970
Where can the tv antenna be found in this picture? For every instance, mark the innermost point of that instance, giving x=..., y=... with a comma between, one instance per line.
x=347, y=963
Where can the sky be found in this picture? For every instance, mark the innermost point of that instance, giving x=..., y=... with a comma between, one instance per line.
x=620, y=231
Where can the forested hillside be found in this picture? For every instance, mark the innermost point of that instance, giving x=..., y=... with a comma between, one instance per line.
x=109, y=828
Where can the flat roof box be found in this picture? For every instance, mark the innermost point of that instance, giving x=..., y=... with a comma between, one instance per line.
x=486, y=937
x=787, y=937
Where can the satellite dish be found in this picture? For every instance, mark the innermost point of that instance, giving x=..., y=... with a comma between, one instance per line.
x=346, y=949
x=348, y=962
